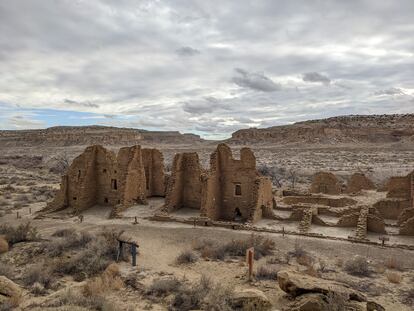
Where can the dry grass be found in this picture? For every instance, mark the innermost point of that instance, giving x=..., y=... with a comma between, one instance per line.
x=164, y=287
x=357, y=266
x=109, y=280
x=267, y=272
x=237, y=248
x=186, y=257
x=6, y=270
x=393, y=277
x=39, y=273
x=22, y=233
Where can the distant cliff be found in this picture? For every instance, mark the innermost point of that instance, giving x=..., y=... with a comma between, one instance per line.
x=90, y=135
x=336, y=130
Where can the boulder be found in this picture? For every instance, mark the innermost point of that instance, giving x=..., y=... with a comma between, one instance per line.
x=8, y=289
x=373, y=306
x=250, y=300
x=296, y=284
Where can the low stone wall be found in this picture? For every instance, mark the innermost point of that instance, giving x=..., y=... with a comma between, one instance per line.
x=332, y=202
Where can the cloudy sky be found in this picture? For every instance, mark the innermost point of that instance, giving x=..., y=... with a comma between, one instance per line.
x=206, y=67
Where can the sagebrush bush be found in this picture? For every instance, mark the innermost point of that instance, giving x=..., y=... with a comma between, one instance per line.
x=262, y=247
x=39, y=273
x=357, y=266
x=393, y=263
x=394, y=277
x=186, y=256
x=21, y=233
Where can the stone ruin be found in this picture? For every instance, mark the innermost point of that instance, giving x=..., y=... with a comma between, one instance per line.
x=358, y=182
x=325, y=182
x=99, y=177
x=230, y=190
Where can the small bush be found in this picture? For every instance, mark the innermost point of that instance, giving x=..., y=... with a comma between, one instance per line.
x=393, y=263
x=70, y=240
x=357, y=266
x=109, y=280
x=39, y=274
x=186, y=257
x=38, y=289
x=164, y=287
x=305, y=260
x=394, y=277
x=262, y=247
x=267, y=272
x=21, y=233
x=336, y=302
x=64, y=232
x=298, y=251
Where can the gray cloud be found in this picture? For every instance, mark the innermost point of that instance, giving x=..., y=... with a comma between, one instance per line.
x=391, y=91
x=81, y=104
x=120, y=58
x=187, y=51
x=316, y=77
x=255, y=81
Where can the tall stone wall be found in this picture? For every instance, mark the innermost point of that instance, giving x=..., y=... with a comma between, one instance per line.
x=98, y=177
x=233, y=189
x=154, y=172
x=399, y=187
x=184, y=184
x=325, y=182
x=358, y=182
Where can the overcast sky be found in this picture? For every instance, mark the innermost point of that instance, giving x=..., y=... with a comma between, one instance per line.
x=207, y=67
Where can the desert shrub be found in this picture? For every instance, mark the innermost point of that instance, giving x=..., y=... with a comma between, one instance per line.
x=6, y=270
x=4, y=245
x=267, y=272
x=310, y=270
x=72, y=298
x=394, y=277
x=39, y=273
x=93, y=258
x=164, y=287
x=298, y=251
x=109, y=280
x=70, y=240
x=186, y=256
x=305, y=260
x=22, y=233
x=379, y=268
x=64, y=232
x=7, y=306
x=357, y=266
x=393, y=263
x=339, y=262
x=22, y=198
x=38, y=289
x=203, y=295
x=336, y=302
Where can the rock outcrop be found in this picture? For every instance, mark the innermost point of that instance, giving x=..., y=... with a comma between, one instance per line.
x=250, y=300
x=375, y=129
x=8, y=290
x=296, y=284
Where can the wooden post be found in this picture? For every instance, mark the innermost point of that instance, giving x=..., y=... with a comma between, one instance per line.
x=17, y=215
x=80, y=218
x=250, y=257
x=120, y=249
x=383, y=239
x=135, y=220
x=195, y=223
x=283, y=231
x=30, y=210
x=134, y=254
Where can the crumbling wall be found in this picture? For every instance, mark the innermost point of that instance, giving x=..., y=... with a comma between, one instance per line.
x=358, y=182
x=399, y=187
x=131, y=182
x=375, y=224
x=153, y=161
x=391, y=208
x=233, y=189
x=313, y=199
x=184, y=184
x=405, y=215
x=407, y=227
x=325, y=182
x=98, y=177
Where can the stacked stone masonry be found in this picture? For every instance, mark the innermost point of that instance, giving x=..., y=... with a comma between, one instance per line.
x=230, y=190
x=99, y=177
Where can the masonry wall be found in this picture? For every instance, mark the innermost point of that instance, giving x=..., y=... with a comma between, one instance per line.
x=358, y=182
x=153, y=161
x=399, y=187
x=184, y=184
x=324, y=182
x=233, y=187
x=98, y=177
